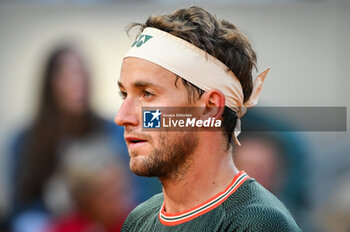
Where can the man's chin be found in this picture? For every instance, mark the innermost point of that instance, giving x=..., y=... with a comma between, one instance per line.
x=139, y=167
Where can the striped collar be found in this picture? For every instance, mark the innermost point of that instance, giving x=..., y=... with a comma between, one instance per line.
x=187, y=215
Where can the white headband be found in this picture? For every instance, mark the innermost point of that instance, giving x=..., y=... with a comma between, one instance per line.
x=197, y=67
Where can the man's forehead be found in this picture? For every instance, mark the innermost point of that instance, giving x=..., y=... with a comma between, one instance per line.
x=139, y=73
x=134, y=64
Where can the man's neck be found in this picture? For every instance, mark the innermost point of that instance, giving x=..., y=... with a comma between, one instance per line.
x=211, y=172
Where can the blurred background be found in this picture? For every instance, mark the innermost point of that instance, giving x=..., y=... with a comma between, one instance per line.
x=49, y=47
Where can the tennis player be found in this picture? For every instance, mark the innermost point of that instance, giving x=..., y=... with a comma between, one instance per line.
x=191, y=59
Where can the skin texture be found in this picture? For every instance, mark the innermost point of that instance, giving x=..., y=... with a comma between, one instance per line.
x=164, y=153
x=190, y=168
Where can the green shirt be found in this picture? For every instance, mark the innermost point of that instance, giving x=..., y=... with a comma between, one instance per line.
x=243, y=206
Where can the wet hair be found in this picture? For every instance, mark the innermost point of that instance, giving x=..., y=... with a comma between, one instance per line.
x=220, y=39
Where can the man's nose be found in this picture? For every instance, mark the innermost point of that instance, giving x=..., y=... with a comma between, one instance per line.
x=127, y=114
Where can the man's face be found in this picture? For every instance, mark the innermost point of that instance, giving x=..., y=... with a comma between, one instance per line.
x=164, y=153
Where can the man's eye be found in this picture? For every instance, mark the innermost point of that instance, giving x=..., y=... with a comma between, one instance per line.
x=147, y=94
x=123, y=95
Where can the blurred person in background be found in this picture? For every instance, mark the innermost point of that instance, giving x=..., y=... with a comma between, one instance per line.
x=97, y=185
x=262, y=157
x=279, y=160
x=332, y=211
x=64, y=116
x=334, y=214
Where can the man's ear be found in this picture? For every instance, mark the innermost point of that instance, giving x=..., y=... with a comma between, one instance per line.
x=214, y=103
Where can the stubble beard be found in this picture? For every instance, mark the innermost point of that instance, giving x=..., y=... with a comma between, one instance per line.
x=171, y=160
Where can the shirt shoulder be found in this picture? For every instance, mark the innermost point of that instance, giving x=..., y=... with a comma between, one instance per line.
x=266, y=218
x=143, y=212
x=253, y=208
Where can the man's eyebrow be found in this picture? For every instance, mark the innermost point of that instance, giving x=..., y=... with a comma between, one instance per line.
x=137, y=84
x=142, y=84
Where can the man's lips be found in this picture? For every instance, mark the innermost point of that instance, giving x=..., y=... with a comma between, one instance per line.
x=134, y=140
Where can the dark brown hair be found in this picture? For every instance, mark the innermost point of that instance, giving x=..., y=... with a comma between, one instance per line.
x=220, y=39
x=40, y=146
